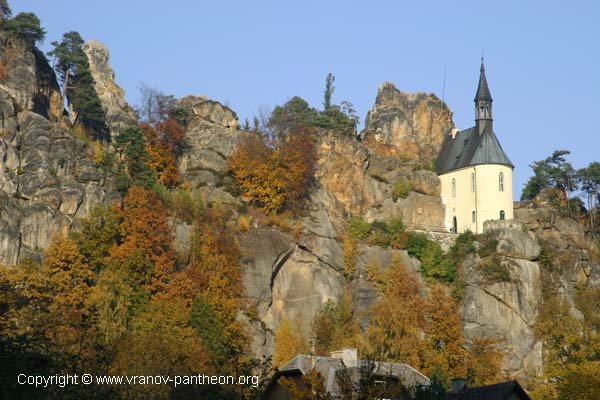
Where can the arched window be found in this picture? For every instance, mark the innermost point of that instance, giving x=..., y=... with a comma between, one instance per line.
x=473, y=217
x=501, y=181
x=472, y=183
x=453, y=187
x=502, y=215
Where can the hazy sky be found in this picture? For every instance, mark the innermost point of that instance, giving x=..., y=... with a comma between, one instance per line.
x=542, y=57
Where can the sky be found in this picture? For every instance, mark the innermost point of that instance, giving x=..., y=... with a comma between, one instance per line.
x=542, y=57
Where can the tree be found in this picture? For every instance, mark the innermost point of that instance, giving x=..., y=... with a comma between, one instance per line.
x=590, y=185
x=131, y=145
x=145, y=250
x=165, y=144
x=329, y=89
x=69, y=54
x=444, y=352
x=5, y=11
x=288, y=343
x=275, y=178
x=294, y=115
x=397, y=318
x=72, y=67
x=154, y=106
x=336, y=326
x=555, y=171
x=26, y=27
x=581, y=382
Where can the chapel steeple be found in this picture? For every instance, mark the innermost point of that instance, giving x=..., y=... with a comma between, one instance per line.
x=483, y=101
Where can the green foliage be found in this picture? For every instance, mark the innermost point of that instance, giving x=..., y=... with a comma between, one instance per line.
x=181, y=202
x=553, y=172
x=494, y=270
x=134, y=170
x=26, y=27
x=402, y=188
x=434, y=264
x=297, y=114
x=434, y=391
x=294, y=115
x=73, y=69
x=329, y=89
x=208, y=326
x=488, y=245
x=359, y=228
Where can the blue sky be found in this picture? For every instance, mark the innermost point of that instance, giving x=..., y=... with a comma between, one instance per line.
x=542, y=57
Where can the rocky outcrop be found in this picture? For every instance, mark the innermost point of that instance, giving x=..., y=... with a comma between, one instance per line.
x=353, y=180
x=211, y=134
x=506, y=309
x=48, y=182
x=408, y=125
x=27, y=81
x=117, y=113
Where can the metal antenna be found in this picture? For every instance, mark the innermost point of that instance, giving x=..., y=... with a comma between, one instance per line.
x=444, y=85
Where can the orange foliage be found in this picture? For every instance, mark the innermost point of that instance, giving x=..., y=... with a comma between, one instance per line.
x=165, y=142
x=278, y=177
x=146, y=250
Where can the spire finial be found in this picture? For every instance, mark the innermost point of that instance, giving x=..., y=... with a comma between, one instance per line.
x=482, y=67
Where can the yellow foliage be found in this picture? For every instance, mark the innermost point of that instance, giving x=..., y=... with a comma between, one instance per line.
x=288, y=343
x=350, y=254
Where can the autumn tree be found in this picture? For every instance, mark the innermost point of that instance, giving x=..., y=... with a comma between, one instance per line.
x=397, y=319
x=288, y=343
x=274, y=178
x=145, y=250
x=336, y=326
x=165, y=144
x=312, y=388
x=580, y=382
x=444, y=340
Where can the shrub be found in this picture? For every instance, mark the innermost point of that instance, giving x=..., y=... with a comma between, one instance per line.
x=402, y=188
x=359, y=228
x=494, y=270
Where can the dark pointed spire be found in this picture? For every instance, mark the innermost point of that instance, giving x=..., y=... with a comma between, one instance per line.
x=483, y=92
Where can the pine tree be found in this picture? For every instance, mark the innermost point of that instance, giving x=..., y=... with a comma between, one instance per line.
x=26, y=27
x=72, y=67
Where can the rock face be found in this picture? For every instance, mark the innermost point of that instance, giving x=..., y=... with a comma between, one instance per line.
x=506, y=310
x=47, y=178
x=48, y=182
x=27, y=81
x=118, y=114
x=409, y=125
x=354, y=180
x=211, y=134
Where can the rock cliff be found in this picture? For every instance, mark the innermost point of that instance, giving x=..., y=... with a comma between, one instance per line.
x=117, y=113
x=409, y=125
x=48, y=181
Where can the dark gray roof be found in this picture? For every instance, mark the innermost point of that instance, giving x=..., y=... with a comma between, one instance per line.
x=328, y=367
x=468, y=148
x=483, y=91
x=498, y=391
